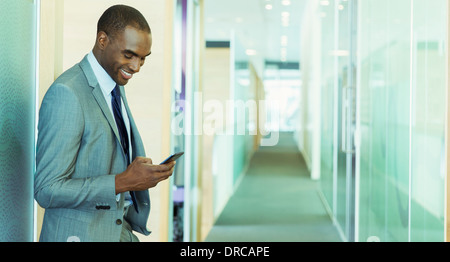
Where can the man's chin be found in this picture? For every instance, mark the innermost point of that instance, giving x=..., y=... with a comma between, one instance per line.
x=121, y=82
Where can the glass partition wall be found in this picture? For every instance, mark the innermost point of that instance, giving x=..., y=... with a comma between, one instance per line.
x=18, y=20
x=338, y=98
x=402, y=91
x=384, y=122
x=383, y=67
x=428, y=103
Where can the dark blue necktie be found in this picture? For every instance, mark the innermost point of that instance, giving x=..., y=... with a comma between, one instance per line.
x=117, y=109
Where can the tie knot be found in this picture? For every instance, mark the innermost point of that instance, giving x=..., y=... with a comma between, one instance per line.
x=116, y=92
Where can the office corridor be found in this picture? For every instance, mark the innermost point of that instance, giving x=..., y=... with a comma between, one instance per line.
x=276, y=201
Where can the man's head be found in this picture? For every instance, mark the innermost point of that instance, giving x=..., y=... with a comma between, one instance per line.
x=123, y=42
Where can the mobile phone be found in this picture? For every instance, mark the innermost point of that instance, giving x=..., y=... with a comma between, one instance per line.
x=172, y=157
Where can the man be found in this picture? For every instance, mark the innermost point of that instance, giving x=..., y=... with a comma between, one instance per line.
x=91, y=173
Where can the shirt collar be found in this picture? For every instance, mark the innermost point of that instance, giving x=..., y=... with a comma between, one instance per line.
x=105, y=81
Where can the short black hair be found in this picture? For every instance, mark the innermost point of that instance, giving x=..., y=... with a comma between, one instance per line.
x=117, y=17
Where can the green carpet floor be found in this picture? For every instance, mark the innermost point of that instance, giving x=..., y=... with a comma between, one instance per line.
x=276, y=201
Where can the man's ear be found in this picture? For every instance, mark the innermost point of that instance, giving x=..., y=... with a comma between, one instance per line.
x=102, y=40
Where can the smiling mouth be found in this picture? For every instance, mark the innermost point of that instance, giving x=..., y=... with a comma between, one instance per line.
x=126, y=75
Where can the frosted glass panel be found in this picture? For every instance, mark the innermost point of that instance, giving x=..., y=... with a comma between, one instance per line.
x=328, y=76
x=428, y=120
x=242, y=140
x=384, y=93
x=17, y=108
x=402, y=108
x=336, y=170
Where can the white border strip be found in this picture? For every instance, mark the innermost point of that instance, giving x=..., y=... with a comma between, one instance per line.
x=411, y=68
x=357, y=135
x=37, y=7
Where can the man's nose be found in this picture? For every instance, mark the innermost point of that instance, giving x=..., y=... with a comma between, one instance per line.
x=135, y=64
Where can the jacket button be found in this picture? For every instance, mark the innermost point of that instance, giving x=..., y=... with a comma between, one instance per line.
x=119, y=222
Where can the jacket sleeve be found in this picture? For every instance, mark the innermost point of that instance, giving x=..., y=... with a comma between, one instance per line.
x=60, y=133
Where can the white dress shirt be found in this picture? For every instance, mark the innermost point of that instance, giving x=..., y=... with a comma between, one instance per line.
x=107, y=84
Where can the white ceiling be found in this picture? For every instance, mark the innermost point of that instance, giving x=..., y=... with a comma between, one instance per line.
x=256, y=27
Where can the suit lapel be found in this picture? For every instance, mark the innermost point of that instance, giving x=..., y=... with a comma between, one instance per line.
x=98, y=95
x=136, y=140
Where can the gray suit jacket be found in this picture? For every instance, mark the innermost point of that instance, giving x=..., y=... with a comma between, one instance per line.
x=78, y=155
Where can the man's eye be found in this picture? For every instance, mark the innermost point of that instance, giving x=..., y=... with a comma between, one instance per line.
x=128, y=56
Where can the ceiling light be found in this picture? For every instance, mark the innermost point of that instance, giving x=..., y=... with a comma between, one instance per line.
x=283, y=54
x=285, y=18
x=286, y=2
x=250, y=52
x=284, y=40
x=325, y=2
x=339, y=53
x=269, y=7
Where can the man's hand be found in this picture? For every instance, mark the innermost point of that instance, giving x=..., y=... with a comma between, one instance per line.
x=142, y=175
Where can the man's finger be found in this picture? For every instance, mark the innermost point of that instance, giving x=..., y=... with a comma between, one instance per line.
x=157, y=168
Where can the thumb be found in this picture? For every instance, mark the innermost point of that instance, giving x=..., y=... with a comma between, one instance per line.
x=145, y=160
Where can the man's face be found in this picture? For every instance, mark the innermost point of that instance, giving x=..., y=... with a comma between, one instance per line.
x=125, y=53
